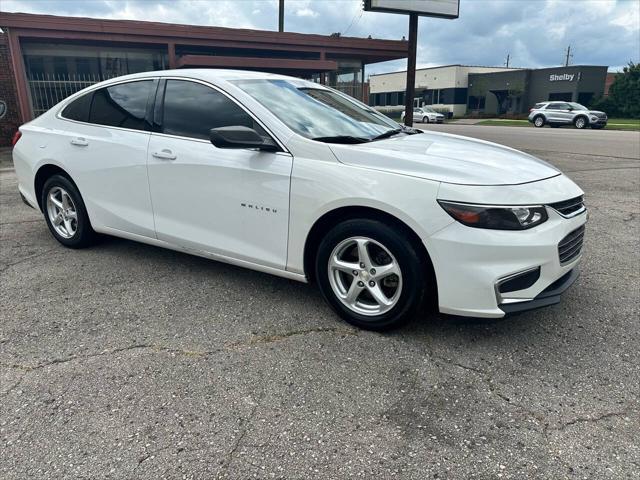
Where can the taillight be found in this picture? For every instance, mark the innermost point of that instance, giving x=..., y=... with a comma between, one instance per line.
x=16, y=137
x=531, y=109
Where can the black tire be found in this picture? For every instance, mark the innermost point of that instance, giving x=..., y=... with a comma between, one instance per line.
x=425, y=119
x=539, y=121
x=581, y=122
x=407, y=256
x=84, y=235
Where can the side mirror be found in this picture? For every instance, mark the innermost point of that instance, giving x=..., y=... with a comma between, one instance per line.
x=238, y=136
x=570, y=108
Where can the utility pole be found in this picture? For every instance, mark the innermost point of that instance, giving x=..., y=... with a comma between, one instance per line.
x=506, y=64
x=568, y=56
x=411, y=69
x=281, y=16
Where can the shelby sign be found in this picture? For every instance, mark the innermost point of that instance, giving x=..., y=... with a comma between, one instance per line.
x=565, y=77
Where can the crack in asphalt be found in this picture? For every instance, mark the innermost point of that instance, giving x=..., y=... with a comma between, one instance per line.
x=293, y=333
x=592, y=419
x=540, y=418
x=26, y=259
x=23, y=221
x=189, y=353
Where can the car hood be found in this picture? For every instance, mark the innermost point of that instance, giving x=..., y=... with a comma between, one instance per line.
x=447, y=158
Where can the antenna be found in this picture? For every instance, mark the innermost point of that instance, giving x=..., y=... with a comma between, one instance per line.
x=506, y=64
x=568, y=56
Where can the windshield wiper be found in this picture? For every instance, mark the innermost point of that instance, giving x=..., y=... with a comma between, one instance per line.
x=341, y=139
x=394, y=131
x=388, y=133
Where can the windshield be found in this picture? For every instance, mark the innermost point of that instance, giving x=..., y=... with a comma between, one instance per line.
x=429, y=109
x=577, y=106
x=317, y=113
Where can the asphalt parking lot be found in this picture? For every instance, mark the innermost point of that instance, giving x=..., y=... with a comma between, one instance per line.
x=129, y=361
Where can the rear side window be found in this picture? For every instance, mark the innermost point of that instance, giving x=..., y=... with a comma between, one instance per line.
x=79, y=108
x=538, y=105
x=192, y=109
x=123, y=105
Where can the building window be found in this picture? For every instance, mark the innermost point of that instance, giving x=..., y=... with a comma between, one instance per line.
x=562, y=96
x=476, y=103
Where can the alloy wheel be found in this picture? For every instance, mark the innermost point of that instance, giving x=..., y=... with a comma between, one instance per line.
x=539, y=122
x=62, y=212
x=365, y=276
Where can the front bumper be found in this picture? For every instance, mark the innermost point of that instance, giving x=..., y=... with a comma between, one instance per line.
x=470, y=264
x=549, y=296
x=598, y=122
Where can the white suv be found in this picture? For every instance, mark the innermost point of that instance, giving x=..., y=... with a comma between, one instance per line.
x=295, y=179
x=556, y=114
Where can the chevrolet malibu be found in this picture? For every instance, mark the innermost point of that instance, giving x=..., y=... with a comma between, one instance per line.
x=298, y=180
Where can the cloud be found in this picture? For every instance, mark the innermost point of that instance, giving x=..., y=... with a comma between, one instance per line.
x=306, y=12
x=534, y=32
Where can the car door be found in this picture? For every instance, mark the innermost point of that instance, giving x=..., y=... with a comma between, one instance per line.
x=105, y=134
x=230, y=202
x=417, y=115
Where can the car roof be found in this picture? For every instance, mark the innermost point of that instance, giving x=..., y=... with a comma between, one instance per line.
x=213, y=75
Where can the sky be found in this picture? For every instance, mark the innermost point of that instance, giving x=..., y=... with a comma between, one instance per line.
x=535, y=33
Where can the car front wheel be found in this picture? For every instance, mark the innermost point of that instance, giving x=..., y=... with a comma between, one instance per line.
x=425, y=119
x=370, y=274
x=65, y=213
x=580, y=122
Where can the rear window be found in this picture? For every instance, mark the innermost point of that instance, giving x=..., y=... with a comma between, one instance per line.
x=79, y=108
x=123, y=105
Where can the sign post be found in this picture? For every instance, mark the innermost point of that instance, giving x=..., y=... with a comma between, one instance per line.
x=411, y=70
x=415, y=8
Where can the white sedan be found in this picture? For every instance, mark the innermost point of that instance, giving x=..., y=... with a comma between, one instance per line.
x=295, y=179
x=425, y=115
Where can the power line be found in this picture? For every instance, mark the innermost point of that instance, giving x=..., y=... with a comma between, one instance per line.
x=359, y=15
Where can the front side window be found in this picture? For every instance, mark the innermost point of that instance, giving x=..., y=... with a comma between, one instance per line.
x=192, y=109
x=123, y=105
x=317, y=113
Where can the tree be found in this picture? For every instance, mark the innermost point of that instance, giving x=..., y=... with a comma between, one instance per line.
x=624, y=93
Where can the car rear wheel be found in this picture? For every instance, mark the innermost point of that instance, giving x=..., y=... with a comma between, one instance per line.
x=580, y=122
x=66, y=214
x=538, y=121
x=370, y=274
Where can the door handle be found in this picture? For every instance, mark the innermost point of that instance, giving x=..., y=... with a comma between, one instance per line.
x=79, y=141
x=165, y=154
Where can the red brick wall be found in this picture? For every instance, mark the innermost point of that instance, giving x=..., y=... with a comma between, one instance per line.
x=8, y=94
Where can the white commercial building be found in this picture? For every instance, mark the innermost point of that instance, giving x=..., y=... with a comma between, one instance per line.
x=444, y=88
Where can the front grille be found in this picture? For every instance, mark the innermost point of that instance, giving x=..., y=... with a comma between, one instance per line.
x=569, y=207
x=571, y=245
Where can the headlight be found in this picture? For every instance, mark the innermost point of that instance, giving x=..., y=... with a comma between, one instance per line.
x=496, y=217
